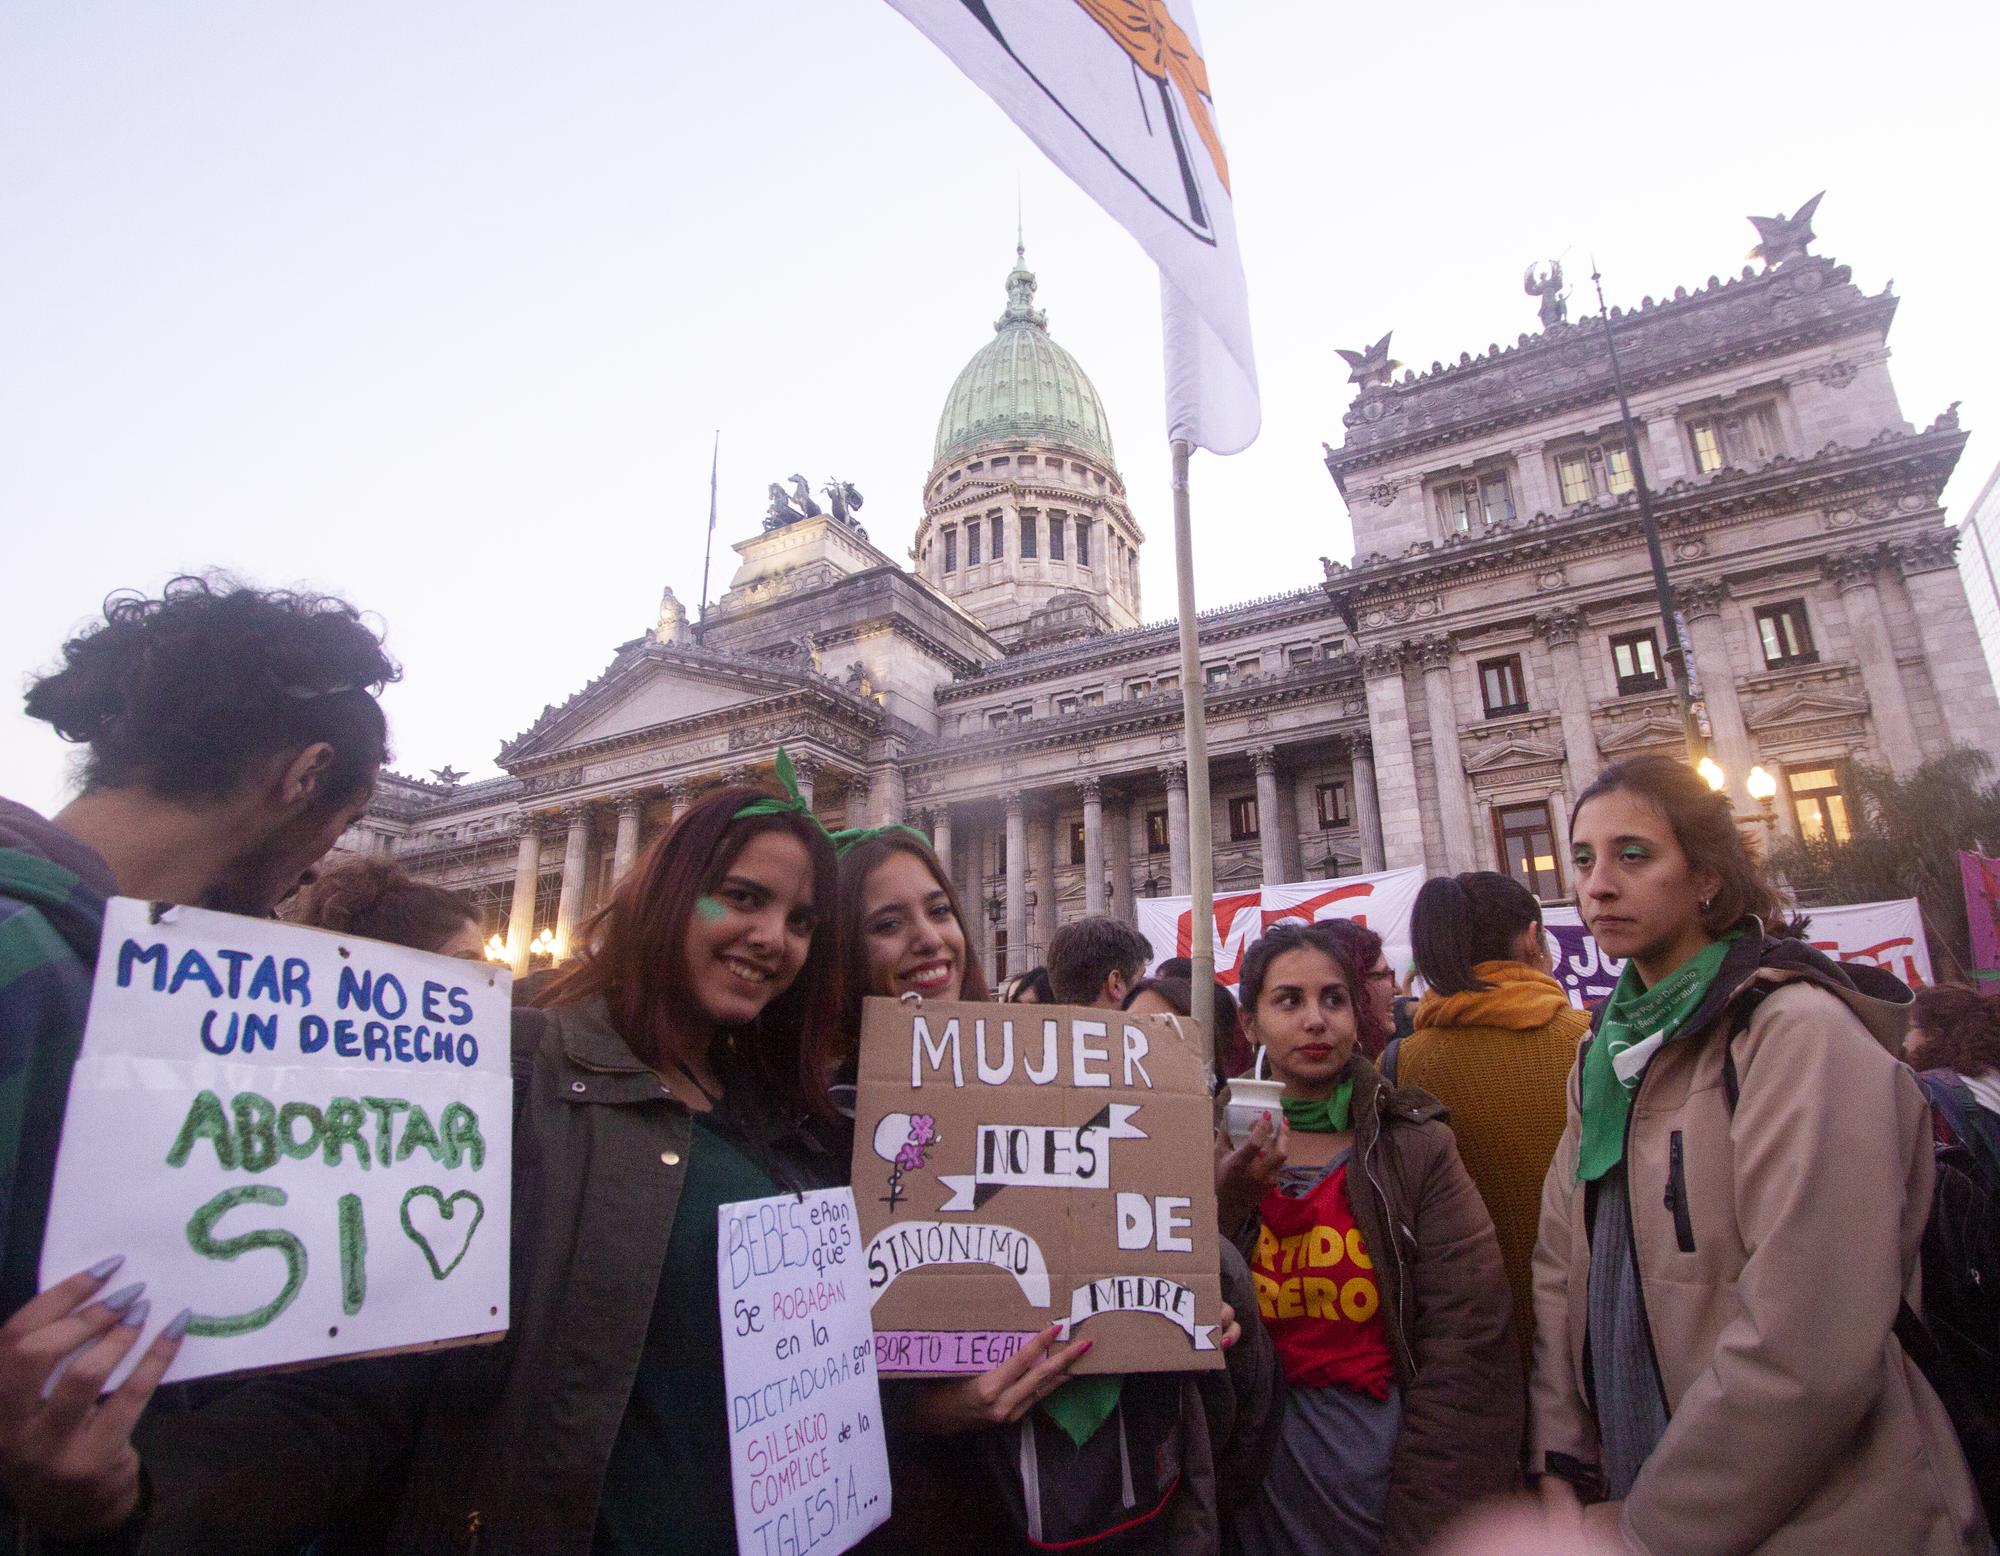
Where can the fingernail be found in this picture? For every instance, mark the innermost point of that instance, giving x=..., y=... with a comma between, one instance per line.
x=124, y=1296
x=105, y=1268
x=1228, y=1341
x=135, y=1315
x=1085, y=1347
x=178, y=1325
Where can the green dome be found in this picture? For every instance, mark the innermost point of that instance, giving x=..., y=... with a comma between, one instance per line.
x=1021, y=384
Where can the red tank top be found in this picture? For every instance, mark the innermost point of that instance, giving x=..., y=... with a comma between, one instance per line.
x=1316, y=1289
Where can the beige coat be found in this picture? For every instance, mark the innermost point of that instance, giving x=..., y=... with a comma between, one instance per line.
x=1796, y=1422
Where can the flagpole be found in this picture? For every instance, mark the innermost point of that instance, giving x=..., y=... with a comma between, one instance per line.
x=1201, y=856
x=708, y=548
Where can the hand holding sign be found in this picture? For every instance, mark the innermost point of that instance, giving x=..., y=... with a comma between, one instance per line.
x=264, y=1098
x=66, y=1456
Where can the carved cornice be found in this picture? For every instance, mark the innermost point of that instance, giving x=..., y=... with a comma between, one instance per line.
x=1091, y=789
x=1263, y=759
x=630, y=803
x=1433, y=653
x=1361, y=746
x=1852, y=568
x=1174, y=774
x=1381, y=659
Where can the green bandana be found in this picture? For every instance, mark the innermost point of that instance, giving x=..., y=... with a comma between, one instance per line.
x=1082, y=1405
x=1636, y=1022
x=794, y=804
x=1324, y=1115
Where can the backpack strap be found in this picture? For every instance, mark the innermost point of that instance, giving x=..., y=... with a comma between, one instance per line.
x=1387, y=1063
x=1739, y=1018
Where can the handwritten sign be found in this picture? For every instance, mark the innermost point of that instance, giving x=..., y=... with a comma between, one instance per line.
x=1017, y=1166
x=307, y=1138
x=1381, y=902
x=806, y=1453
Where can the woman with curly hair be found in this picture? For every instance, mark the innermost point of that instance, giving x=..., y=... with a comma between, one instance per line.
x=377, y=900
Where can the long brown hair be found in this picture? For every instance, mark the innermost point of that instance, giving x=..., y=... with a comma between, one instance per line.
x=1957, y=1029
x=1702, y=826
x=1291, y=935
x=635, y=952
x=381, y=901
x=856, y=865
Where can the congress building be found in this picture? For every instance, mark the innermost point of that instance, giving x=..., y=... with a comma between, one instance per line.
x=1435, y=700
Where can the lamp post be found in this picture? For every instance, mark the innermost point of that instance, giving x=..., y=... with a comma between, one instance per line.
x=1663, y=591
x=496, y=949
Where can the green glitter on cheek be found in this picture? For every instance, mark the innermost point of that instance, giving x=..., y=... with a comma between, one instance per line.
x=709, y=908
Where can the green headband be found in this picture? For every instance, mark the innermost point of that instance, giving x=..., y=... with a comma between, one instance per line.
x=795, y=805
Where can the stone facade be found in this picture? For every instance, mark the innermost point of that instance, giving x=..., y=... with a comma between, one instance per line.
x=1436, y=701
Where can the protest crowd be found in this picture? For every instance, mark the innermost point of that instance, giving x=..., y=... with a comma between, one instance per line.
x=1698, y=1270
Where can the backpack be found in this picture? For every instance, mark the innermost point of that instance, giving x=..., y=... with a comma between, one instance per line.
x=1955, y=1342
x=1106, y=1496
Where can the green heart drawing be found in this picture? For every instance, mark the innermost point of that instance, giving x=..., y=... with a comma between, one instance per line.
x=444, y=1210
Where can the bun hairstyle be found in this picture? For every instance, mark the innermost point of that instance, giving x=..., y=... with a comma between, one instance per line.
x=1957, y=1029
x=1462, y=920
x=377, y=900
x=1703, y=828
x=181, y=695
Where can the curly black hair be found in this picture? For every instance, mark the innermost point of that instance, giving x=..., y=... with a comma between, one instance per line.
x=181, y=695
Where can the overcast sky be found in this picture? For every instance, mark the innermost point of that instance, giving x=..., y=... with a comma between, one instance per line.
x=439, y=304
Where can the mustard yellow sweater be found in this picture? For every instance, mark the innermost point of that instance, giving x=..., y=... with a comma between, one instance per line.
x=1499, y=1059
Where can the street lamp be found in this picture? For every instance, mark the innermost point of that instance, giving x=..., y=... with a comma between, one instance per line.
x=544, y=943
x=1763, y=789
x=496, y=949
x=1711, y=773
x=996, y=909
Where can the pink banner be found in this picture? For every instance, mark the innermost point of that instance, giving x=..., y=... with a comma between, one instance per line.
x=1982, y=910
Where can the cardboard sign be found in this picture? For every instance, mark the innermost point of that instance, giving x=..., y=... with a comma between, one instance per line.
x=1022, y=1165
x=807, y=1458
x=305, y=1137
x=1381, y=902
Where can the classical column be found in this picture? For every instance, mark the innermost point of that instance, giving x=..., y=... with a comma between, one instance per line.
x=1561, y=628
x=1050, y=848
x=1701, y=604
x=1175, y=774
x=891, y=800
x=1367, y=803
x=1017, y=887
x=679, y=797
x=576, y=865
x=1454, y=804
x=1853, y=572
x=1952, y=655
x=1399, y=818
x=858, y=788
x=626, y=848
x=1093, y=844
x=527, y=872
x=807, y=768
x=940, y=820
x=1270, y=836
x=1118, y=835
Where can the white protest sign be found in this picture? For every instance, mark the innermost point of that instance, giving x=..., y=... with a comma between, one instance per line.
x=305, y=1137
x=1381, y=902
x=807, y=1458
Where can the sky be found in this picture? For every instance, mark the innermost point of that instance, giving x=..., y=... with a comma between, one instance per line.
x=440, y=305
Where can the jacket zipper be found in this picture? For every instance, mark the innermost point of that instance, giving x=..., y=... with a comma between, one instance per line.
x=1632, y=1249
x=1389, y=1221
x=1677, y=1195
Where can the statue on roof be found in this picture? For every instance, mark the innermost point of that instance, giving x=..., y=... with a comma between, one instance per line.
x=1546, y=282
x=781, y=512
x=448, y=775
x=1782, y=237
x=1369, y=367
x=802, y=495
x=673, y=623
x=843, y=498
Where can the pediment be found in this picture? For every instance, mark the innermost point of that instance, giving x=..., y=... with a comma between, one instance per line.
x=1804, y=705
x=1509, y=752
x=652, y=687
x=1641, y=734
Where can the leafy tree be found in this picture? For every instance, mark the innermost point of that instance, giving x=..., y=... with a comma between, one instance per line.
x=1905, y=836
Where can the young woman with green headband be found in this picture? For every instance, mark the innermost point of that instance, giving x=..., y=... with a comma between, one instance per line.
x=1730, y=1227
x=1377, y=1274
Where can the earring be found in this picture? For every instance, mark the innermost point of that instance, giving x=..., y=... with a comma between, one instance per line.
x=1709, y=903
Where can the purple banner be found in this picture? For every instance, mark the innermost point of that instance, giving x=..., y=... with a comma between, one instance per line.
x=1584, y=971
x=1981, y=878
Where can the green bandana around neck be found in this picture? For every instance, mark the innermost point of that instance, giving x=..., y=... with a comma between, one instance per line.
x=1321, y=1115
x=1636, y=1022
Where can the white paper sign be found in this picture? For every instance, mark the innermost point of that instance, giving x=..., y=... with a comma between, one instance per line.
x=806, y=1453
x=307, y=1138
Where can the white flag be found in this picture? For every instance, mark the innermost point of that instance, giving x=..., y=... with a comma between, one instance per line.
x=1116, y=92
